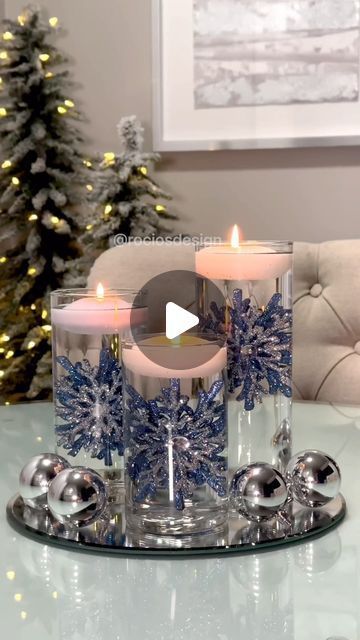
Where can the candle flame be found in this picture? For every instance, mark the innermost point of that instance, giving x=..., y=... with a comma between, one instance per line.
x=100, y=292
x=236, y=236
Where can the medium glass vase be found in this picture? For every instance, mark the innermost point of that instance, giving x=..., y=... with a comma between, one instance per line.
x=87, y=328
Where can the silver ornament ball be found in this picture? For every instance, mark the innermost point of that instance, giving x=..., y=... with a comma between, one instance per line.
x=77, y=496
x=258, y=492
x=36, y=475
x=314, y=478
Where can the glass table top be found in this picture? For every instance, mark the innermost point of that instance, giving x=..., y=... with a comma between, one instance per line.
x=302, y=591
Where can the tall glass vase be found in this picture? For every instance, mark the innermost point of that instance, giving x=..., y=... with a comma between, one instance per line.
x=256, y=282
x=176, y=466
x=87, y=330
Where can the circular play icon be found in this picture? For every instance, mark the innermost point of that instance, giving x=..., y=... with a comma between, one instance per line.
x=174, y=337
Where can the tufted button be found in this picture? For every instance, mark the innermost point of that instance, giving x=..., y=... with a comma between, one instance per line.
x=357, y=348
x=316, y=290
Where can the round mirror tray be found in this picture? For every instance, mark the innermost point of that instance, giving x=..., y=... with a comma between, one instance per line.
x=110, y=534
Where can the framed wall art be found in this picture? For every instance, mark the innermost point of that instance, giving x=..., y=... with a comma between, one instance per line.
x=245, y=74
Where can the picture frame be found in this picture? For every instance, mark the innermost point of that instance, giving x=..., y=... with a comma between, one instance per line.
x=180, y=125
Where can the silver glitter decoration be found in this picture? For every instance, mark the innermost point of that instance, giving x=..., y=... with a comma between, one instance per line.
x=167, y=433
x=259, y=347
x=89, y=401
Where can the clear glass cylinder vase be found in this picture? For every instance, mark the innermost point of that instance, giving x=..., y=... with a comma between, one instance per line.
x=176, y=480
x=87, y=328
x=255, y=279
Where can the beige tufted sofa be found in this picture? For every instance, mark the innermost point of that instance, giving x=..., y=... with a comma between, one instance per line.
x=327, y=321
x=326, y=308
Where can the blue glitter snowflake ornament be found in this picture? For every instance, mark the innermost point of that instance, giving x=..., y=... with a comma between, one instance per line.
x=259, y=347
x=89, y=401
x=175, y=447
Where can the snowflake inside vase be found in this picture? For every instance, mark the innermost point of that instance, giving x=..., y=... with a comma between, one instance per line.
x=175, y=447
x=259, y=347
x=89, y=401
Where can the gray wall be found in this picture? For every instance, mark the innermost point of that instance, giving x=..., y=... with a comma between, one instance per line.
x=308, y=194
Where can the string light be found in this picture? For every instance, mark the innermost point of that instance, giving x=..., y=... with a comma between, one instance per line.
x=2, y=373
x=31, y=344
x=9, y=354
x=44, y=57
x=31, y=271
x=90, y=187
x=44, y=314
x=69, y=103
x=18, y=597
x=108, y=209
x=32, y=217
x=8, y=35
x=55, y=219
x=160, y=208
x=109, y=158
x=15, y=181
x=7, y=403
x=2, y=350
x=46, y=327
x=11, y=575
x=4, y=55
x=62, y=110
x=87, y=163
x=33, y=307
x=6, y=164
x=3, y=112
x=22, y=20
x=4, y=338
x=49, y=74
x=89, y=227
x=143, y=170
x=23, y=615
x=55, y=595
x=3, y=259
x=53, y=22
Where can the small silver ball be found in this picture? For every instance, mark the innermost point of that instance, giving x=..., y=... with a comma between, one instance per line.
x=77, y=496
x=258, y=492
x=36, y=475
x=314, y=478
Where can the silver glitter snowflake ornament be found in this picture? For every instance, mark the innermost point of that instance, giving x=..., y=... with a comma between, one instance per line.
x=173, y=446
x=89, y=401
x=259, y=347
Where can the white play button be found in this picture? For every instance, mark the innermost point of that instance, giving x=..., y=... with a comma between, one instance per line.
x=178, y=320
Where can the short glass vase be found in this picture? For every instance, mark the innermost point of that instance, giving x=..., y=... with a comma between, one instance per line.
x=176, y=480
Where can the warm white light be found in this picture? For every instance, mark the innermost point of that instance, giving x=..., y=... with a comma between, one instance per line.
x=55, y=220
x=10, y=575
x=31, y=344
x=69, y=103
x=32, y=217
x=15, y=181
x=235, y=237
x=6, y=164
x=108, y=209
x=100, y=291
x=4, y=55
x=3, y=112
x=8, y=35
x=44, y=57
x=53, y=22
x=62, y=110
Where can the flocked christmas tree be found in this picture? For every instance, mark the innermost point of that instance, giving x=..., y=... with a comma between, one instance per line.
x=125, y=199
x=41, y=146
